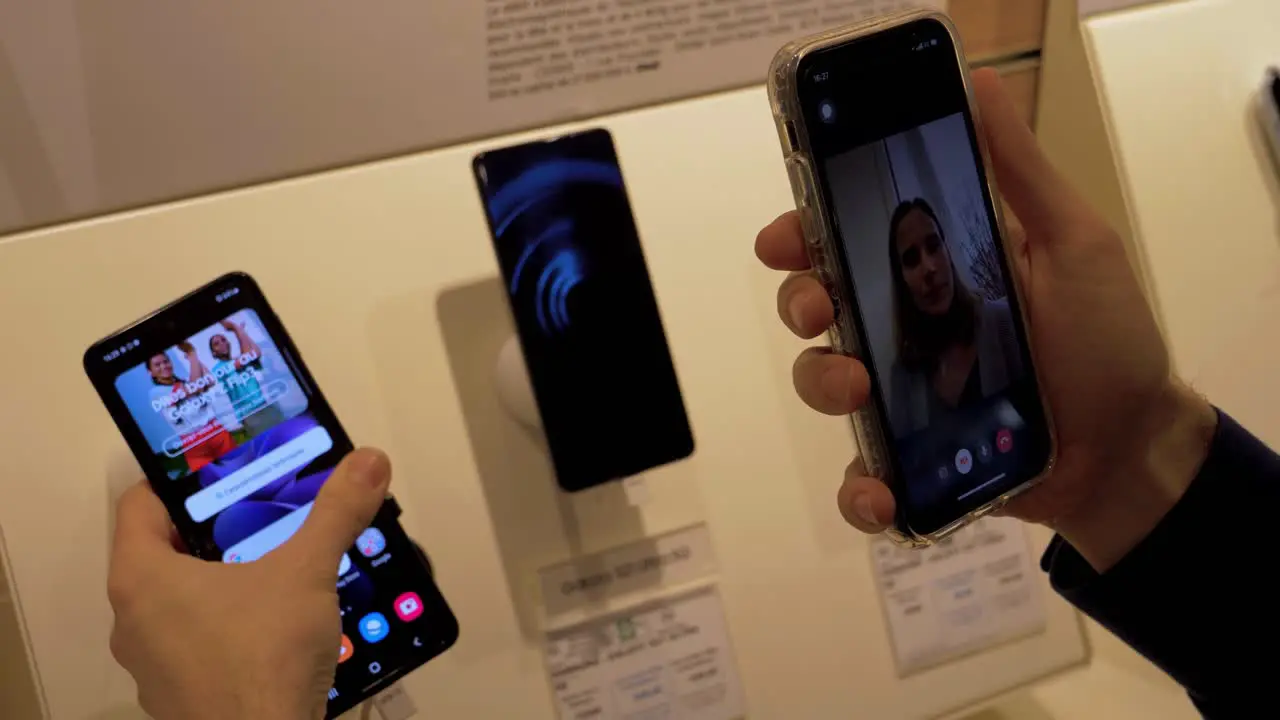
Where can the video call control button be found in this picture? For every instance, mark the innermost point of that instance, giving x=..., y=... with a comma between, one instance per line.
x=964, y=462
x=1004, y=440
x=375, y=668
x=985, y=453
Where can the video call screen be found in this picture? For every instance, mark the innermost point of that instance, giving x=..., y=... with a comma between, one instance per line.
x=937, y=312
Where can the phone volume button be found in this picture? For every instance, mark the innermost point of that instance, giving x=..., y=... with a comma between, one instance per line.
x=824, y=277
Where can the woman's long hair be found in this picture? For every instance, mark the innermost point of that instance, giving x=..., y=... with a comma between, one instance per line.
x=921, y=338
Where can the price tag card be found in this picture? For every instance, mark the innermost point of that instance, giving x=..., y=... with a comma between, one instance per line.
x=668, y=659
x=974, y=590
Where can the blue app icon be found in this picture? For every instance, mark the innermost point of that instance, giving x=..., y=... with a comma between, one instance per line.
x=371, y=542
x=374, y=627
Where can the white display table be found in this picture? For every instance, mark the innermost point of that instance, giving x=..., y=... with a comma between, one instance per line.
x=386, y=279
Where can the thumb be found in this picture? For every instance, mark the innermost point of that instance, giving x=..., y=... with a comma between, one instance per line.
x=344, y=508
x=1036, y=193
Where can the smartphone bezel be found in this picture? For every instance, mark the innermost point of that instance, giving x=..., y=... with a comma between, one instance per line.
x=871, y=424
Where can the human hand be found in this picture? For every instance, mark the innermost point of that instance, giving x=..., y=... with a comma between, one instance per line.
x=186, y=348
x=229, y=324
x=255, y=641
x=1130, y=436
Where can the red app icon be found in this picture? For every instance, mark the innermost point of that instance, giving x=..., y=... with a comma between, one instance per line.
x=344, y=652
x=408, y=606
x=1004, y=441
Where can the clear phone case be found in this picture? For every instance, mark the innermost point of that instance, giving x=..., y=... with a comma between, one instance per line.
x=869, y=428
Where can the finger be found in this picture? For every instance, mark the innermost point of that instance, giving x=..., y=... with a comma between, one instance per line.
x=142, y=522
x=830, y=383
x=780, y=245
x=344, y=508
x=1040, y=197
x=865, y=502
x=804, y=305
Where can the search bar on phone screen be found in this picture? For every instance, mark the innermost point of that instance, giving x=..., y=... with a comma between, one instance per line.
x=258, y=474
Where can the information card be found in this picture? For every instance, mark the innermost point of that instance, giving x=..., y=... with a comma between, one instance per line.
x=974, y=590
x=667, y=659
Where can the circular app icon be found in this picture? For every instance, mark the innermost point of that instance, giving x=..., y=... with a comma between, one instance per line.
x=984, y=452
x=827, y=110
x=964, y=461
x=1004, y=440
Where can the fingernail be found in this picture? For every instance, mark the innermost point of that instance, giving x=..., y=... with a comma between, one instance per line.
x=795, y=312
x=370, y=468
x=835, y=385
x=862, y=506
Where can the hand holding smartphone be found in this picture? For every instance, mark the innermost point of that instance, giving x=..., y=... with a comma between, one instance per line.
x=880, y=136
x=236, y=439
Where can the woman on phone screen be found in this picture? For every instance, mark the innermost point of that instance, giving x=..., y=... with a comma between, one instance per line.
x=954, y=348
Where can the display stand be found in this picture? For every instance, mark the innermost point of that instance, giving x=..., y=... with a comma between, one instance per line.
x=1197, y=192
x=511, y=381
x=1195, y=195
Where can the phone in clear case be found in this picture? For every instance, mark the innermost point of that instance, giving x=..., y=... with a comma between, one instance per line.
x=881, y=140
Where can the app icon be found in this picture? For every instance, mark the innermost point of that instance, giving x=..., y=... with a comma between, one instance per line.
x=827, y=110
x=344, y=652
x=1004, y=440
x=943, y=472
x=984, y=452
x=344, y=565
x=964, y=461
x=375, y=668
x=373, y=627
x=371, y=542
x=408, y=606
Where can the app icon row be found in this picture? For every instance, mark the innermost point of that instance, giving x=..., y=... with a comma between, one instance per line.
x=965, y=457
x=374, y=627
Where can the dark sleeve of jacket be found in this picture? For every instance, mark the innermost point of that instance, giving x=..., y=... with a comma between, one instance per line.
x=1200, y=596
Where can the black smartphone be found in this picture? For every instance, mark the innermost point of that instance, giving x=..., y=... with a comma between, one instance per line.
x=881, y=139
x=236, y=439
x=584, y=308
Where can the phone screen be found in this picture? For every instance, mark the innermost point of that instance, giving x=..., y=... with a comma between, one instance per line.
x=897, y=156
x=236, y=440
x=584, y=308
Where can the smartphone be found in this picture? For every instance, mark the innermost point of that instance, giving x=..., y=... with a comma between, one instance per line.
x=584, y=308
x=897, y=203
x=236, y=439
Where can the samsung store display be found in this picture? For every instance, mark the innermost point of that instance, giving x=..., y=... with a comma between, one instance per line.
x=879, y=132
x=236, y=439
x=584, y=308
x=578, y=603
